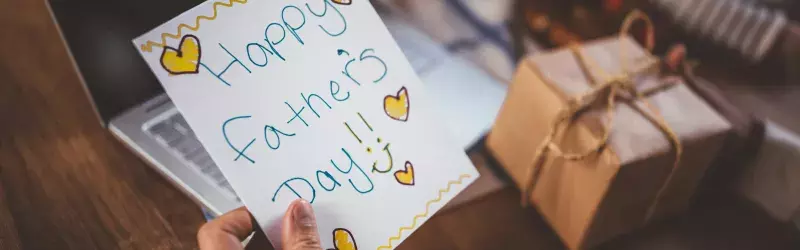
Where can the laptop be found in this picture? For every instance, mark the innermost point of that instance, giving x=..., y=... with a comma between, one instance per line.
x=132, y=105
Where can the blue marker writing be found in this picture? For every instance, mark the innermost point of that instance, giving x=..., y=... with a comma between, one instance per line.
x=219, y=75
x=350, y=168
x=271, y=42
x=240, y=153
x=302, y=181
x=335, y=91
x=277, y=134
x=327, y=4
x=263, y=50
x=330, y=177
x=293, y=29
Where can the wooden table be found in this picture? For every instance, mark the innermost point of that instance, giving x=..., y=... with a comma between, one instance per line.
x=66, y=183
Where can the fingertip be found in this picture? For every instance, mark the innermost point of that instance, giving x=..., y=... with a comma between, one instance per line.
x=287, y=225
x=295, y=207
x=299, y=227
x=304, y=214
x=288, y=215
x=300, y=202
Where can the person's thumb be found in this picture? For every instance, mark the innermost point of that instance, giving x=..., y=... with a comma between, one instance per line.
x=300, y=227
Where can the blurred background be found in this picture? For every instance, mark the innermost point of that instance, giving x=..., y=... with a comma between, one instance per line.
x=68, y=181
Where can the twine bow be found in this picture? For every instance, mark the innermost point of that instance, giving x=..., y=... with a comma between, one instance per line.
x=607, y=91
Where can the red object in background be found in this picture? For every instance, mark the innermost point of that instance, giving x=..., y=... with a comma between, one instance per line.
x=612, y=5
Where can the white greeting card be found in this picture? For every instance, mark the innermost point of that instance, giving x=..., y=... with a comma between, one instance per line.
x=311, y=99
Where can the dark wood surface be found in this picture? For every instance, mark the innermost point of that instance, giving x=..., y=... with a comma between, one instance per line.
x=66, y=183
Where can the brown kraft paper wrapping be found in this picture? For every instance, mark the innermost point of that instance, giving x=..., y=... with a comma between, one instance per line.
x=592, y=200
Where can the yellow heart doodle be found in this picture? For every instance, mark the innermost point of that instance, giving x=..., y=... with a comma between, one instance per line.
x=343, y=2
x=405, y=177
x=183, y=60
x=343, y=240
x=397, y=107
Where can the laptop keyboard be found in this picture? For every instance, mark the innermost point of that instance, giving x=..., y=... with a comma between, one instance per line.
x=175, y=134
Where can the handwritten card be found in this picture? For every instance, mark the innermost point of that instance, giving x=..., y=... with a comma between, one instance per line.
x=311, y=99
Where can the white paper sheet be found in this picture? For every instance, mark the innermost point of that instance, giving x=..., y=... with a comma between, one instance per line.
x=310, y=99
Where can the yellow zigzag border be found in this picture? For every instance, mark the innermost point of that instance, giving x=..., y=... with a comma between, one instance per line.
x=148, y=47
x=425, y=214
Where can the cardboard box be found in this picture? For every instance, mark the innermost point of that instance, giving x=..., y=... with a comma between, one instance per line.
x=773, y=180
x=609, y=193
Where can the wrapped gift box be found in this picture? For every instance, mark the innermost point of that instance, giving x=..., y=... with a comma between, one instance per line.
x=741, y=147
x=761, y=158
x=773, y=179
x=616, y=189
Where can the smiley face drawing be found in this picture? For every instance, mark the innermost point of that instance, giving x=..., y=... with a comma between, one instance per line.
x=343, y=240
x=376, y=167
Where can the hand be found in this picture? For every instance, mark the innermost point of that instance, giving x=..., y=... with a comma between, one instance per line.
x=299, y=229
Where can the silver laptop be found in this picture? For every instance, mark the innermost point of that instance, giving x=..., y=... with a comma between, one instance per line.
x=130, y=102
